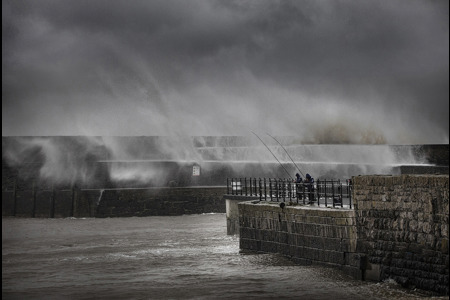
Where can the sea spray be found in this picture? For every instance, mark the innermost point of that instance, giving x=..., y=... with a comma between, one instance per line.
x=99, y=197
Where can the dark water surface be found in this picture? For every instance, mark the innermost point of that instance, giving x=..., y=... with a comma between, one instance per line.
x=180, y=257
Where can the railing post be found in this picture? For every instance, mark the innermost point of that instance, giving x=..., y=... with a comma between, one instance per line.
x=240, y=184
x=282, y=192
x=270, y=188
x=286, y=187
x=273, y=189
x=264, y=182
x=350, y=188
x=318, y=192
x=232, y=185
x=245, y=184
x=280, y=188
x=290, y=191
x=254, y=186
x=332, y=192
x=303, y=193
x=260, y=191
x=277, y=189
x=265, y=191
x=315, y=192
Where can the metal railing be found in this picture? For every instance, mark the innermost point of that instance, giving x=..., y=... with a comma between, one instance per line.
x=328, y=193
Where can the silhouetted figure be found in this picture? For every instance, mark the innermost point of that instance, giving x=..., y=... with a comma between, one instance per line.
x=309, y=185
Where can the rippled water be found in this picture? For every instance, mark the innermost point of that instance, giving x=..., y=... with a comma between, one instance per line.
x=179, y=257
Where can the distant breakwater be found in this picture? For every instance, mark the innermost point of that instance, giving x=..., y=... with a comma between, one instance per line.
x=69, y=162
x=65, y=176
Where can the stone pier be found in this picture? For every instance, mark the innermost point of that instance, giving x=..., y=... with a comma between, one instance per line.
x=397, y=230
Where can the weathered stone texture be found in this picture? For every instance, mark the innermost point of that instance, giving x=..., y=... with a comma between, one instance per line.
x=113, y=203
x=402, y=225
x=398, y=229
x=308, y=236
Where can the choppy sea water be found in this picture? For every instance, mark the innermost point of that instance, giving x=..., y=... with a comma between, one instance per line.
x=179, y=257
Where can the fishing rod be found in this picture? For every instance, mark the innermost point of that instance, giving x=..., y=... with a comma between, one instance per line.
x=287, y=154
x=273, y=155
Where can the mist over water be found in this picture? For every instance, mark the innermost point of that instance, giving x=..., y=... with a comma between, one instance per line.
x=154, y=161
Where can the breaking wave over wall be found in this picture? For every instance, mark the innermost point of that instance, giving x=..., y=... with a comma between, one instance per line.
x=145, y=161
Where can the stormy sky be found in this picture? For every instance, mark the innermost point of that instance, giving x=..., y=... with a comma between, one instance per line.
x=325, y=71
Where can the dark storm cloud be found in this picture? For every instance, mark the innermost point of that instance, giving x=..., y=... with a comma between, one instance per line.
x=327, y=71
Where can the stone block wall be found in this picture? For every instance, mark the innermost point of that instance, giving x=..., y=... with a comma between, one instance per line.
x=402, y=224
x=307, y=235
x=161, y=202
x=112, y=202
x=398, y=230
x=232, y=211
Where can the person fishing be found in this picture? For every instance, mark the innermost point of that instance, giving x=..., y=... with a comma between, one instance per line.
x=299, y=186
x=309, y=185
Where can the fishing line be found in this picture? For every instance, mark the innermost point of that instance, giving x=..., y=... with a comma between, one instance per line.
x=287, y=154
x=273, y=155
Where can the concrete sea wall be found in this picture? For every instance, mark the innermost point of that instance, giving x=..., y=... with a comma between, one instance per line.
x=398, y=229
x=112, y=202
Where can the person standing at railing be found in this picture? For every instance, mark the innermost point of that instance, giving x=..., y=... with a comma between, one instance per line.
x=309, y=185
x=298, y=185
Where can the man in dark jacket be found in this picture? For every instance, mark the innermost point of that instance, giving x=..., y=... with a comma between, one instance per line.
x=309, y=184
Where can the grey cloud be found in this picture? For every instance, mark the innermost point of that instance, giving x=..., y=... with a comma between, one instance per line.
x=227, y=67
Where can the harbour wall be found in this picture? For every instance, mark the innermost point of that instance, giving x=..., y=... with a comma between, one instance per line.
x=398, y=229
x=402, y=224
x=102, y=203
x=307, y=235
